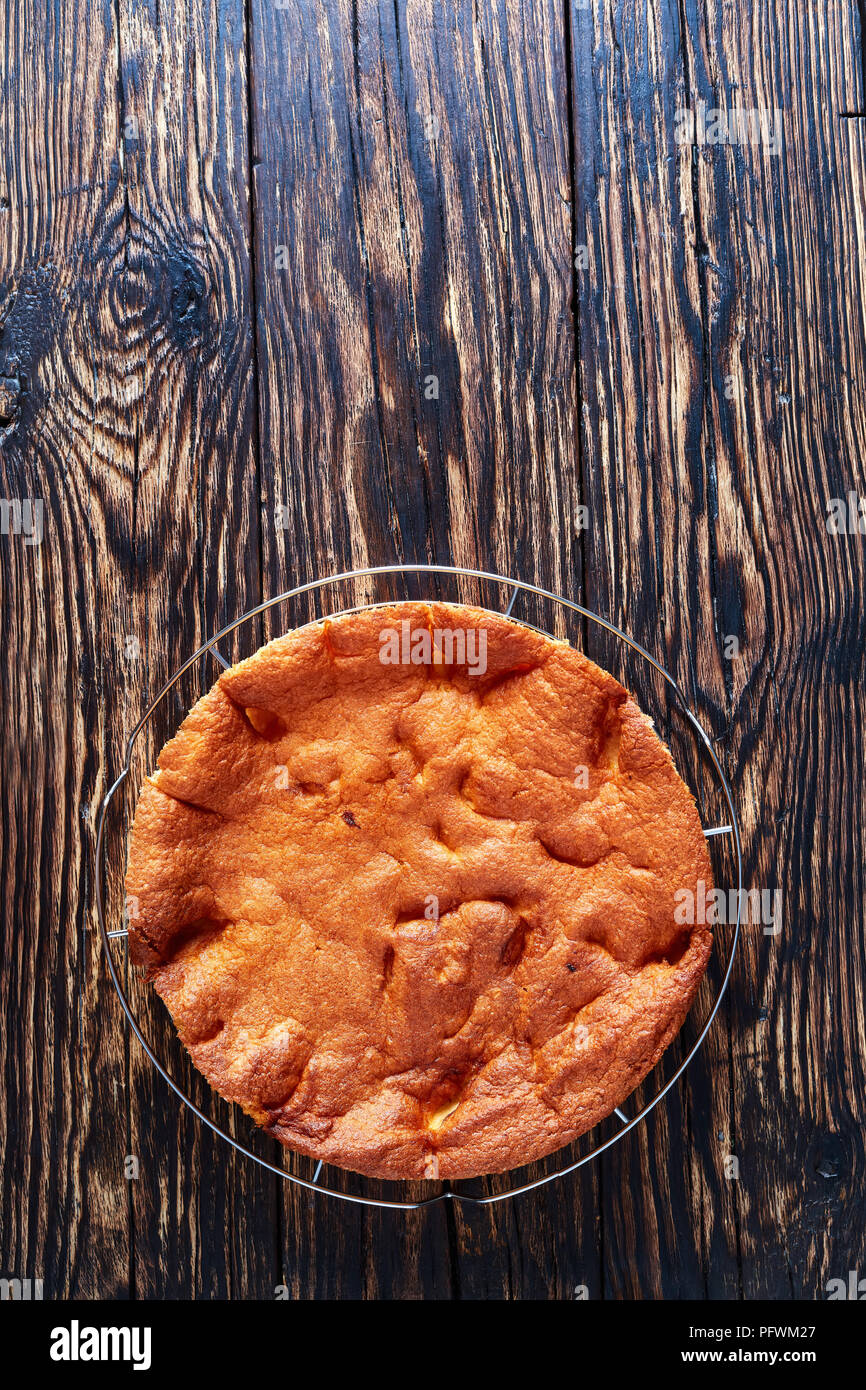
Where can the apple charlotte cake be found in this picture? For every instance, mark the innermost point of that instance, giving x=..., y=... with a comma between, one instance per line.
x=406, y=881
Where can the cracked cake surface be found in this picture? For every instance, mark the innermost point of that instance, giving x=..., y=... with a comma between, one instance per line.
x=418, y=917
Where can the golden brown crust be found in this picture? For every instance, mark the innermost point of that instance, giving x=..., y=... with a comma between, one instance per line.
x=391, y=914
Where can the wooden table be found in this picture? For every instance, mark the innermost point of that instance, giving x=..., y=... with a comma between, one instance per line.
x=288, y=288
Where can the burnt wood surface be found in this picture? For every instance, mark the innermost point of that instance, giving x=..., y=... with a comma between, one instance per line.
x=292, y=288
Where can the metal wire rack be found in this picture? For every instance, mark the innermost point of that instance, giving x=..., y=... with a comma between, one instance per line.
x=112, y=938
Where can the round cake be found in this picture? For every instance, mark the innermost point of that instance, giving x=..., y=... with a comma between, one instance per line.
x=408, y=883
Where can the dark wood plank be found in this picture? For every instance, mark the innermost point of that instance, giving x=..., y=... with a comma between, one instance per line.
x=65, y=1205
x=667, y=1213
x=719, y=326
x=785, y=272
x=127, y=342
x=188, y=348
x=413, y=161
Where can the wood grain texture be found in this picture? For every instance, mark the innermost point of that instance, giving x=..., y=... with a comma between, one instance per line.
x=195, y=539
x=127, y=323
x=648, y=553
x=719, y=318
x=65, y=1205
x=291, y=288
x=785, y=264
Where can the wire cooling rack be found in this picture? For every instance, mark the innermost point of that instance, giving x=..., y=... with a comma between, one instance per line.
x=113, y=939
